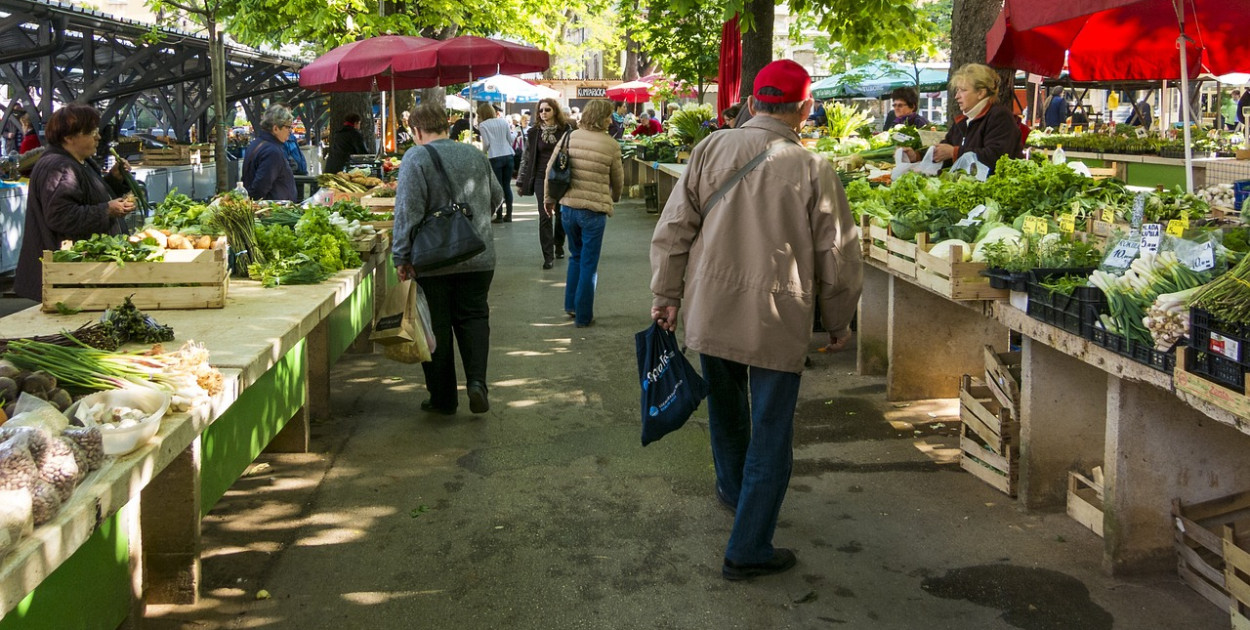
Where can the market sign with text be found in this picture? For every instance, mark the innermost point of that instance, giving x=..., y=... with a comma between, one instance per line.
x=592, y=92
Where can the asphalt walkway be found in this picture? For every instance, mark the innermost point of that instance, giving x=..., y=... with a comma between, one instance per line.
x=546, y=513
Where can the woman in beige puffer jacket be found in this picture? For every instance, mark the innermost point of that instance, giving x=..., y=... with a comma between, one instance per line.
x=598, y=177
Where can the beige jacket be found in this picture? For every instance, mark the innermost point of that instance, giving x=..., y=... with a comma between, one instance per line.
x=748, y=275
x=598, y=175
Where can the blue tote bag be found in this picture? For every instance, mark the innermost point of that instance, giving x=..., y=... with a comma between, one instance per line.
x=671, y=388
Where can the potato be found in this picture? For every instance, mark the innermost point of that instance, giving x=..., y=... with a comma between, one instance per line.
x=178, y=241
x=204, y=242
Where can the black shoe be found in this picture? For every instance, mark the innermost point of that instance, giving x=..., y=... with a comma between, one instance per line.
x=427, y=405
x=478, y=403
x=508, y=220
x=782, y=560
x=497, y=220
x=547, y=264
x=560, y=253
x=586, y=325
x=732, y=506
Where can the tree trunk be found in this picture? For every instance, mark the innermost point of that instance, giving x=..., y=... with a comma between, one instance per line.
x=970, y=22
x=217, y=62
x=757, y=44
x=343, y=103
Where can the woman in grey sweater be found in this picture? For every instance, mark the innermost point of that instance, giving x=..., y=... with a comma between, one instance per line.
x=456, y=294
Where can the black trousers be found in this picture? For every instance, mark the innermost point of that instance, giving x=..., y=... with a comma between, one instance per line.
x=550, y=229
x=457, y=307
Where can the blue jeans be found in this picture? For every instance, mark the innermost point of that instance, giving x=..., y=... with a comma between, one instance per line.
x=584, y=229
x=751, y=421
x=503, y=172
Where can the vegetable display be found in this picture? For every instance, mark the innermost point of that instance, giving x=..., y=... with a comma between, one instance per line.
x=106, y=248
x=1130, y=295
x=1228, y=296
x=235, y=216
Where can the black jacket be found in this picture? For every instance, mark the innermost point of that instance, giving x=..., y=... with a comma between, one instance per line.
x=345, y=142
x=534, y=161
x=991, y=136
x=266, y=173
x=66, y=201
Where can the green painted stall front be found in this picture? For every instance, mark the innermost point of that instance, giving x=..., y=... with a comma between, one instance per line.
x=234, y=440
x=1166, y=175
x=90, y=591
x=350, y=318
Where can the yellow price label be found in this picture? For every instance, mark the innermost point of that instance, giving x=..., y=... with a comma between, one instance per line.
x=1035, y=225
x=1108, y=215
x=1177, y=227
x=1067, y=223
x=1079, y=129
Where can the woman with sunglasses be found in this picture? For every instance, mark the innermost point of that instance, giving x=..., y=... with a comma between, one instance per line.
x=540, y=145
x=68, y=200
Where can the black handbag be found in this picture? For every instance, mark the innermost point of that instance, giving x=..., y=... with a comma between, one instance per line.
x=446, y=235
x=560, y=178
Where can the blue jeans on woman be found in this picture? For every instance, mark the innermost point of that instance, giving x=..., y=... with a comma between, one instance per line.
x=751, y=422
x=584, y=229
x=503, y=172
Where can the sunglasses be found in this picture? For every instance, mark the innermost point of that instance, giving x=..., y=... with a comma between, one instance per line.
x=544, y=109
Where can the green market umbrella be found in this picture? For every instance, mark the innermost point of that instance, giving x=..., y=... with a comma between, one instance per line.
x=877, y=80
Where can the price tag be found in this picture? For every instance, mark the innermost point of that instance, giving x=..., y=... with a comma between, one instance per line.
x=1063, y=128
x=1177, y=227
x=1141, y=132
x=1067, y=223
x=1079, y=129
x=1201, y=258
x=1123, y=254
x=1224, y=346
x=1035, y=225
x=1108, y=215
x=1151, y=237
x=902, y=137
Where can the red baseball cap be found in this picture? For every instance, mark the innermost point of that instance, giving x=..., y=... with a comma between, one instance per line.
x=786, y=76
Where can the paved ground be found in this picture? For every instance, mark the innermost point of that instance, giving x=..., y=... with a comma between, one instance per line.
x=547, y=514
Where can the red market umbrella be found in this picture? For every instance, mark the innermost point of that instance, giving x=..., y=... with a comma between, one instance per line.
x=468, y=58
x=729, y=77
x=630, y=92
x=354, y=67
x=1134, y=41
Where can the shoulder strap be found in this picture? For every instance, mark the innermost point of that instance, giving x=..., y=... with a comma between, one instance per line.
x=438, y=165
x=774, y=147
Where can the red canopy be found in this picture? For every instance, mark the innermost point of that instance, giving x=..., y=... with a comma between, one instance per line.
x=354, y=67
x=630, y=92
x=464, y=59
x=1136, y=40
x=730, y=75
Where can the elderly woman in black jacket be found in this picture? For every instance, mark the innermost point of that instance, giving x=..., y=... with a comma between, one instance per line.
x=986, y=127
x=68, y=200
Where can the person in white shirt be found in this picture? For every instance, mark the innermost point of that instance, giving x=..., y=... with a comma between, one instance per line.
x=497, y=143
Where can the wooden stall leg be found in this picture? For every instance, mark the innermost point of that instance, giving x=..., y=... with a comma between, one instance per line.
x=932, y=342
x=872, y=336
x=170, y=523
x=1159, y=449
x=664, y=186
x=1062, y=427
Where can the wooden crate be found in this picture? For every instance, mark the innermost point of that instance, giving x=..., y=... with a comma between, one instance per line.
x=1085, y=501
x=1002, y=375
x=378, y=204
x=988, y=437
x=1214, y=393
x=366, y=244
x=178, y=154
x=882, y=246
x=1200, y=533
x=1236, y=580
x=187, y=279
x=953, y=278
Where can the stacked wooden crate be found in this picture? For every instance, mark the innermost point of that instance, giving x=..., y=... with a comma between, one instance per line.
x=989, y=409
x=178, y=155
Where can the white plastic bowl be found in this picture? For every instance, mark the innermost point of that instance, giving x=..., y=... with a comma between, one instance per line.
x=122, y=441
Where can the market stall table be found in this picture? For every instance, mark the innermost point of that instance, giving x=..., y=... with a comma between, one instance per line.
x=276, y=347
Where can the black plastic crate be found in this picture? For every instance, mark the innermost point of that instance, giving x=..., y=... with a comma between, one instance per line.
x=1229, y=341
x=1164, y=361
x=1111, y=341
x=1077, y=313
x=1216, y=369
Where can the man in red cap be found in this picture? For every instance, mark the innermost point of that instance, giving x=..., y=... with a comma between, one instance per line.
x=756, y=233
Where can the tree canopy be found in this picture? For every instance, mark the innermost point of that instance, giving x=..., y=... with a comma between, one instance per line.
x=684, y=41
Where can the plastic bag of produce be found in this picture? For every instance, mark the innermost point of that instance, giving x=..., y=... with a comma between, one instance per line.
x=58, y=465
x=17, y=465
x=926, y=165
x=16, y=517
x=32, y=411
x=90, y=444
x=969, y=163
